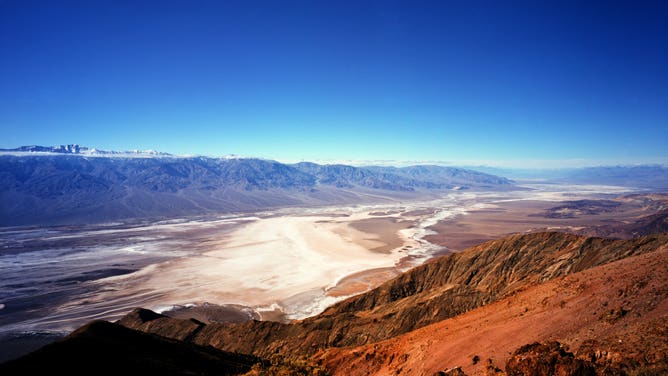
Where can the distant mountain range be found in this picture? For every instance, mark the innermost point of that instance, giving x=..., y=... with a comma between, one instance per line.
x=650, y=176
x=73, y=184
x=643, y=176
x=75, y=149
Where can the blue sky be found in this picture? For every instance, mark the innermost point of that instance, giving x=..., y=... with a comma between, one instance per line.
x=463, y=82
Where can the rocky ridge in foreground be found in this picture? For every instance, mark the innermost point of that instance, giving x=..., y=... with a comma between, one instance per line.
x=437, y=290
x=605, y=301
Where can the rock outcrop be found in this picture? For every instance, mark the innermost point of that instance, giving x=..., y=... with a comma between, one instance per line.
x=550, y=359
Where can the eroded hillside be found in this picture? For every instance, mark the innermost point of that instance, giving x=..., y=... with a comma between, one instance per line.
x=605, y=301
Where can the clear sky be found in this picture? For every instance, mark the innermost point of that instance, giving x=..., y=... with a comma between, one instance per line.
x=493, y=82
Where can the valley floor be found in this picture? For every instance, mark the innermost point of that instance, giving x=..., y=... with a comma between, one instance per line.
x=283, y=265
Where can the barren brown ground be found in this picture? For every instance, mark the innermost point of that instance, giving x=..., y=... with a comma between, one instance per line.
x=383, y=229
x=503, y=218
x=622, y=305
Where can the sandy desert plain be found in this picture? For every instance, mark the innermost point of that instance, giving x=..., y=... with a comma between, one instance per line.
x=281, y=265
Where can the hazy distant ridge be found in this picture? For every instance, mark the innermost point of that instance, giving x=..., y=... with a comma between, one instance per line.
x=647, y=176
x=69, y=184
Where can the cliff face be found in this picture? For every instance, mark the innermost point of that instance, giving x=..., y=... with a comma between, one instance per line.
x=435, y=291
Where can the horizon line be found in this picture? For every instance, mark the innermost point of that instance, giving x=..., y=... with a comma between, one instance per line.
x=508, y=164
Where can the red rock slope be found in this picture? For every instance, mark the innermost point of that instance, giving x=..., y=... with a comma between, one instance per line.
x=615, y=315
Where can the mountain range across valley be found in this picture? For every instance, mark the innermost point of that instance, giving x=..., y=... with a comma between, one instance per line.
x=72, y=184
x=146, y=262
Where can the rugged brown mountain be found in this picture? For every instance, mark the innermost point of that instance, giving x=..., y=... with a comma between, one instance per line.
x=465, y=313
x=430, y=293
x=612, y=317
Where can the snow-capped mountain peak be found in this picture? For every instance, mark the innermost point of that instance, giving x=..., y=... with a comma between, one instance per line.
x=75, y=149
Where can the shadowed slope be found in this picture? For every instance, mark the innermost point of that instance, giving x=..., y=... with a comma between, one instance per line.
x=105, y=348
